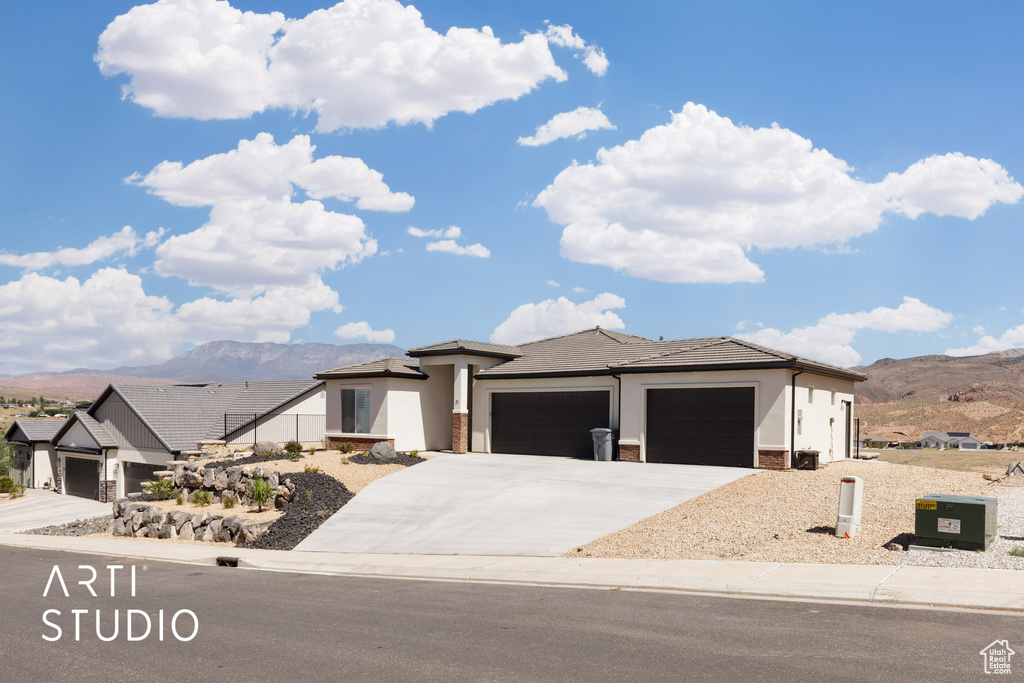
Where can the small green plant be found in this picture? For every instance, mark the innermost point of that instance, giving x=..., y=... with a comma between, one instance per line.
x=414, y=454
x=228, y=501
x=201, y=498
x=311, y=468
x=293, y=449
x=17, y=491
x=309, y=501
x=259, y=493
x=180, y=498
x=6, y=484
x=345, y=461
x=312, y=450
x=346, y=447
x=161, y=488
x=1018, y=551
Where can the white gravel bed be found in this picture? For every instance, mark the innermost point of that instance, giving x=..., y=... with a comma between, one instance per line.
x=1010, y=535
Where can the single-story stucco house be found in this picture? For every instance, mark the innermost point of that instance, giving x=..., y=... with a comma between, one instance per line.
x=963, y=440
x=710, y=401
x=131, y=431
x=34, y=459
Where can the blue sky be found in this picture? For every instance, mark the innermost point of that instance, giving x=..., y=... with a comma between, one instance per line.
x=833, y=179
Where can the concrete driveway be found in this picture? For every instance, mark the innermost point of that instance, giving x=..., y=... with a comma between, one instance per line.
x=40, y=508
x=479, y=504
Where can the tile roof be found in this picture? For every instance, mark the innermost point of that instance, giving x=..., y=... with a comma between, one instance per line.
x=384, y=367
x=181, y=414
x=468, y=347
x=39, y=430
x=600, y=351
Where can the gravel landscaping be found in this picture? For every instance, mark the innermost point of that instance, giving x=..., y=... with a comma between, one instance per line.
x=317, y=497
x=790, y=516
x=81, y=527
x=402, y=459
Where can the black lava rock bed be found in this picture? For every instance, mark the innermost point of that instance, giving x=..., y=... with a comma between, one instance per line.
x=317, y=497
x=400, y=459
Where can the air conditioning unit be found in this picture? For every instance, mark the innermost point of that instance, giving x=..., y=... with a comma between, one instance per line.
x=964, y=522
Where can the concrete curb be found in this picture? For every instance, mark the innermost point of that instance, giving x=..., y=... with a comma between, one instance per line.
x=998, y=589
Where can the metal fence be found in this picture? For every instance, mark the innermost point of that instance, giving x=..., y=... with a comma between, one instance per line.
x=245, y=428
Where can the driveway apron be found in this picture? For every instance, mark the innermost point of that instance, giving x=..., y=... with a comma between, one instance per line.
x=39, y=508
x=486, y=504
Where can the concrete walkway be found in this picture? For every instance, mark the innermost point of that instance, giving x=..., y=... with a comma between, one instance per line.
x=39, y=508
x=873, y=584
x=473, y=504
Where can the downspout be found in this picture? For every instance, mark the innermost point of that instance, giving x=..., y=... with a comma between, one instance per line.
x=618, y=407
x=792, y=417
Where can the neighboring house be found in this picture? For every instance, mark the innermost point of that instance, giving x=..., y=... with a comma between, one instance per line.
x=34, y=457
x=131, y=431
x=962, y=440
x=872, y=441
x=713, y=401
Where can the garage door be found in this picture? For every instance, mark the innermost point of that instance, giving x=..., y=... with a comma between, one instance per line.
x=82, y=477
x=713, y=426
x=547, y=423
x=135, y=473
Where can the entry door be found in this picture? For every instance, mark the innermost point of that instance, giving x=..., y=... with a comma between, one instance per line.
x=706, y=426
x=548, y=422
x=82, y=478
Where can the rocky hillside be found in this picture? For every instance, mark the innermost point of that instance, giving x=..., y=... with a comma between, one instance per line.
x=221, y=361
x=980, y=394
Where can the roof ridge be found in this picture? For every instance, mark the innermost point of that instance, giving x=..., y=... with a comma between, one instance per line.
x=596, y=328
x=765, y=349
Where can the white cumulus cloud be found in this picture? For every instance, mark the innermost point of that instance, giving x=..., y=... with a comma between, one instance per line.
x=568, y=124
x=259, y=167
x=1012, y=338
x=362, y=330
x=690, y=199
x=124, y=242
x=552, y=317
x=108, y=320
x=829, y=340
x=358, y=64
x=448, y=244
x=593, y=56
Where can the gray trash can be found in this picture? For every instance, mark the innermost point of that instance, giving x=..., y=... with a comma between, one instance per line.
x=602, y=443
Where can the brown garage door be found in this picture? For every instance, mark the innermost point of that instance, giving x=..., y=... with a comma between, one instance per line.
x=712, y=426
x=82, y=477
x=135, y=473
x=547, y=422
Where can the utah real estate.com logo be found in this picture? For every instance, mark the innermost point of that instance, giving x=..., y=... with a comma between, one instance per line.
x=997, y=657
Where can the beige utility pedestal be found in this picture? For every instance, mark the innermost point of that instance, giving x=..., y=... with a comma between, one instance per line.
x=851, y=500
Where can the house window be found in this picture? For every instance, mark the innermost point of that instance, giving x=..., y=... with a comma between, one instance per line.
x=355, y=411
x=810, y=394
x=833, y=397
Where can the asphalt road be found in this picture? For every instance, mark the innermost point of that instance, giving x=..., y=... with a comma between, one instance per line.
x=263, y=626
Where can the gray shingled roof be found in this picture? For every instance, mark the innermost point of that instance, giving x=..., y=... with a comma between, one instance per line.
x=40, y=430
x=181, y=414
x=600, y=351
x=468, y=347
x=384, y=367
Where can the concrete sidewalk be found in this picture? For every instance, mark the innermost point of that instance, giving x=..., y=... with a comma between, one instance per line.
x=873, y=584
x=39, y=508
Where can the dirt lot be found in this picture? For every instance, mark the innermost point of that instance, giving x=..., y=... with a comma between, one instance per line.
x=790, y=516
x=986, y=462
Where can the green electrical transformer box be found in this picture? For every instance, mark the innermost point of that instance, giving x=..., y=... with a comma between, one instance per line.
x=964, y=522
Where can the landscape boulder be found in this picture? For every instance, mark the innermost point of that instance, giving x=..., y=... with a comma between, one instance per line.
x=382, y=450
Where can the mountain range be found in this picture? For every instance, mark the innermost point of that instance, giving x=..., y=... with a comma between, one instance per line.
x=219, y=361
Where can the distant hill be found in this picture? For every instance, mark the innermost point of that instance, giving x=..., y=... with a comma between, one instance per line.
x=993, y=376
x=980, y=394
x=220, y=361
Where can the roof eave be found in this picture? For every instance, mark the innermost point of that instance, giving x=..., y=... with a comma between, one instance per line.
x=376, y=374
x=463, y=352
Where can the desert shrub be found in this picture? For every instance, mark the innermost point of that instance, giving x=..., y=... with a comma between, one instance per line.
x=293, y=448
x=259, y=493
x=414, y=454
x=201, y=498
x=1018, y=551
x=267, y=449
x=17, y=491
x=312, y=450
x=228, y=501
x=6, y=484
x=180, y=498
x=161, y=488
x=311, y=468
x=346, y=447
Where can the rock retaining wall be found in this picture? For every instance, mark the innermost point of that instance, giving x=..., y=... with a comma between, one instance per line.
x=141, y=520
x=234, y=480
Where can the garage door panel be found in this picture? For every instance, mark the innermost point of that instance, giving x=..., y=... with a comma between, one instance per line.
x=706, y=426
x=136, y=473
x=547, y=423
x=81, y=477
